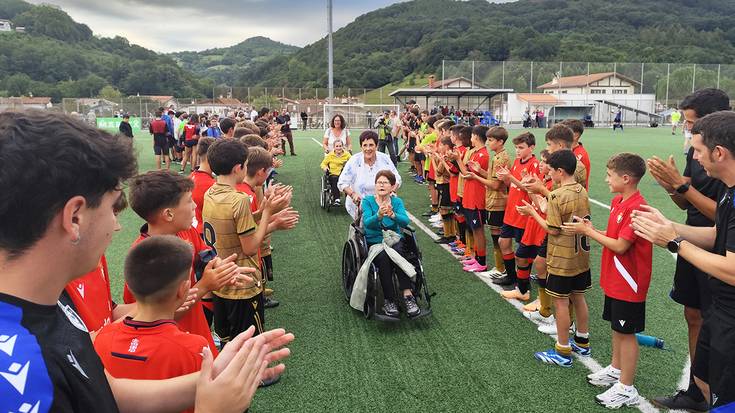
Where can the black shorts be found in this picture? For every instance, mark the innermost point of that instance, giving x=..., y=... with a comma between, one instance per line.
x=714, y=361
x=160, y=145
x=625, y=317
x=419, y=157
x=458, y=207
x=509, y=231
x=411, y=147
x=475, y=218
x=445, y=200
x=495, y=219
x=171, y=141
x=191, y=144
x=561, y=287
x=526, y=251
x=232, y=317
x=690, y=287
x=541, y=252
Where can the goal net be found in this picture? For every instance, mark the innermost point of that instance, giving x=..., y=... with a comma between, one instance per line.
x=357, y=116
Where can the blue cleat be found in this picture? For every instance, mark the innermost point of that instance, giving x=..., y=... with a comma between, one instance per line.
x=552, y=357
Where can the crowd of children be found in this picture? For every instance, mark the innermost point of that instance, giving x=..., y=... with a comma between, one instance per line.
x=541, y=206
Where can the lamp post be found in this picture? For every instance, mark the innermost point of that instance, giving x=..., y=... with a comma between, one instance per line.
x=330, y=53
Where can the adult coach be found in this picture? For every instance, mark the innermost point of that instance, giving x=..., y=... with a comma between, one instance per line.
x=713, y=140
x=56, y=232
x=698, y=193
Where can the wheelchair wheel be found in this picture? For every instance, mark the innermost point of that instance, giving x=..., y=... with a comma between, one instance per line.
x=371, y=297
x=349, y=268
x=323, y=200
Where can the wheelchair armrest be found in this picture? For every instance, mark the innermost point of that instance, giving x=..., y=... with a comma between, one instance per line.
x=410, y=229
x=358, y=229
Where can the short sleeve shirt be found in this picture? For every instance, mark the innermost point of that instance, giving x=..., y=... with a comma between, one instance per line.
x=517, y=195
x=48, y=361
x=626, y=276
x=496, y=200
x=710, y=187
x=91, y=296
x=227, y=217
x=582, y=156
x=567, y=255
x=202, y=182
x=723, y=294
x=474, y=190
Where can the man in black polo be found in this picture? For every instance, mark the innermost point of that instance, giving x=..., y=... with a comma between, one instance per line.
x=713, y=140
x=698, y=193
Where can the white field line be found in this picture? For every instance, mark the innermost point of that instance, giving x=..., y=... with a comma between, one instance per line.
x=592, y=365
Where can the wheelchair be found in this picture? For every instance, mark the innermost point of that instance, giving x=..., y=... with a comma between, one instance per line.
x=327, y=200
x=355, y=252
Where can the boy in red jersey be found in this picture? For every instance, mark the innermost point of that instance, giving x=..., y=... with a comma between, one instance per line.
x=158, y=128
x=473, y=201
x=625, y=275
x=149, y=345
x=580, y=152
x=203, y=179
x=456, y=184
x=191, y=134
x=514, y=223
x=164, y=200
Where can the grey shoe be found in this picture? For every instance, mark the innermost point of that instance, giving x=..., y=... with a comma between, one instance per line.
x=412, y=309
x=390, y=308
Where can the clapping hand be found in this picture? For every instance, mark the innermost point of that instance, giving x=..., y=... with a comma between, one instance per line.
x=650, y=224
x=526, y=209
x=578, y=226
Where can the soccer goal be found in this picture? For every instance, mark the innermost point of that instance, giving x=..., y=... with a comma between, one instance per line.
x=357, y=116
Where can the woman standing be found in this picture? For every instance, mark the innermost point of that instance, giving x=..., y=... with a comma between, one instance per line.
x=337, y=130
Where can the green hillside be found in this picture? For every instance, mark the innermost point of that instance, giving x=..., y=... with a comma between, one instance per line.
x=386, y=45
x=59, y=57
x=224, y=65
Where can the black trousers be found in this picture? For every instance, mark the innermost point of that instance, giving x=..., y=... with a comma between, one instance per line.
x=289, y=137
x=388, y=143
x=386, y=267
x=333, y=179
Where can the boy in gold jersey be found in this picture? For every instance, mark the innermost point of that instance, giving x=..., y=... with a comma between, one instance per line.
x=229, y=227
x=567, y=260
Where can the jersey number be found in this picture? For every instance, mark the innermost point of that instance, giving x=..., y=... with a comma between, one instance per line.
x=581, y=242
x=209, y=236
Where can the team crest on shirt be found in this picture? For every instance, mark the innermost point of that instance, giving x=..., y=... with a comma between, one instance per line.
x=620, y=218
x=133, y=345
x=80, y=289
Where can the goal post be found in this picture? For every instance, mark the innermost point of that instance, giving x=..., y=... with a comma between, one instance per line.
x=357, y=116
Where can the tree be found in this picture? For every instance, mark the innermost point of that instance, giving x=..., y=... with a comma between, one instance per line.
x=18, y=84
x=109, y=92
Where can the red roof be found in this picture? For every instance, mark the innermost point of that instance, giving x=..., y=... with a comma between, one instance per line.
x=539, y=98
x=24, y=100
x=583, y=80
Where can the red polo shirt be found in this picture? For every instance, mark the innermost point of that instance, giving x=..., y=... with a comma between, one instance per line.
x=517, y=195
x=474, y=190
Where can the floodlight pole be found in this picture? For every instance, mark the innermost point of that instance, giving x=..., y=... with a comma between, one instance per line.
x=330, y=52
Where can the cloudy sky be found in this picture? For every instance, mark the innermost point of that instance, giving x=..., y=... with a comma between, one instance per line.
x=198, y=25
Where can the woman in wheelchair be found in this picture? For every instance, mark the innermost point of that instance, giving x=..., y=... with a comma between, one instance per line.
x=332, y=164
x=385, y=212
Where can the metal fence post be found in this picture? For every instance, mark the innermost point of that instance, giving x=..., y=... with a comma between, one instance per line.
x=718, y=76
x=503, y=81
x=694, y=76
x=473, y=75
x=442, y=73
x=668, y=75
x=530, y=88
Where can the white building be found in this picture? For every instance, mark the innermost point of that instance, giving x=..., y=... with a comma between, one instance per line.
x=607, y=83
x=23, y=102
x=6, y=26
x=597, y=94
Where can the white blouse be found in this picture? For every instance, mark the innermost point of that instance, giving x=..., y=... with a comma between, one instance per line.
x=331, y=138
x=361, y=177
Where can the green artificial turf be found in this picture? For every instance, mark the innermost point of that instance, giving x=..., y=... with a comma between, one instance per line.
x=475, y=353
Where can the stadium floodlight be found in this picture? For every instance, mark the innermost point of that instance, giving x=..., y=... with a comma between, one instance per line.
x=330, y=52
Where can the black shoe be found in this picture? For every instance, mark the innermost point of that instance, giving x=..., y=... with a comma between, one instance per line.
x=293, y=154
x=412, y=309
x=390, y=308
x=681, y=401
x=270, y=303
x=440, y=233
x=444, y=240
x=268, y=382
x=504, y=281
x=428, y=214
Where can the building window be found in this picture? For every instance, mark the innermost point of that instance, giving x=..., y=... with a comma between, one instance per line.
x=620, y=91
x=597, y=91
x=563, y=91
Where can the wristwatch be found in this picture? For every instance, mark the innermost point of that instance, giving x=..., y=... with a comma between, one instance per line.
x=683, y=188
x=673, y=245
